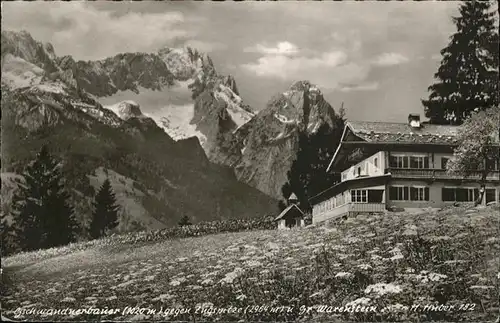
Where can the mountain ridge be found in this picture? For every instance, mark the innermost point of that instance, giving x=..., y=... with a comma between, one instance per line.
x=258, y=146
x=50, y=107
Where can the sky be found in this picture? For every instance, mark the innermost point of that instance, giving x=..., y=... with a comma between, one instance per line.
x=378, y=58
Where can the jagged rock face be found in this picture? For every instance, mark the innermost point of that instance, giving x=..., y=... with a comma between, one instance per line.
x=22, y=45
x=268, y=144
x=184, y=64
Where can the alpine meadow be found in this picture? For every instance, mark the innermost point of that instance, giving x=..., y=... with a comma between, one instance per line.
x=250, y=161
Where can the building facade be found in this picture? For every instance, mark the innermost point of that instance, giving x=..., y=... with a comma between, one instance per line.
x=386, y=166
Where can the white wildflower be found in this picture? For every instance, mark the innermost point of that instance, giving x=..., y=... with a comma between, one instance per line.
x=241, y=297
x=344, y=275
x=359, y=301
x=68, y=300
x=383, y=288
x=230, y=277
x=178, y=281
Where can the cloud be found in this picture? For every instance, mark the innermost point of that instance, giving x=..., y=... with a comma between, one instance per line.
x=87, y=33
x=284, y=67
x=282, y=48
x=360, y=87
x=285, y=61
x=390, y=59
x=204, y=46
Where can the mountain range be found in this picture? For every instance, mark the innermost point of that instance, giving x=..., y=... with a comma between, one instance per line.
x=197, y=150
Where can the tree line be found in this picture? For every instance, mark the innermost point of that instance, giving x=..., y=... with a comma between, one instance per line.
x=41, y=214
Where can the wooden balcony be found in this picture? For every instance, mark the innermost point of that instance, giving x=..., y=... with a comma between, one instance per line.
x=349, y=209
x=434, y=174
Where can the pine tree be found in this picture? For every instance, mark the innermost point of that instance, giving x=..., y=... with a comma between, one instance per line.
x=105, y=215
x=42, y=216
x=468, y=76
x=184, y=221
x=7, y=236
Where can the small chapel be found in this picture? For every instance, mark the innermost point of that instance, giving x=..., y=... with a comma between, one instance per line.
x=292, y=216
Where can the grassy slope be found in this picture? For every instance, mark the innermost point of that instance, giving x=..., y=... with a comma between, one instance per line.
x=447, y=257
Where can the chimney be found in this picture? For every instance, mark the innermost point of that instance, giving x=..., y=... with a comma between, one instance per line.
x=414, y=120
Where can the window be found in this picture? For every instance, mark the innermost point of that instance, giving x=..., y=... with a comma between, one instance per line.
x=375, y=196
x=444, y=161
x=492, y=164
x=359, y=171
x=420, y=162
x=419, y=193
x=399, y=161
x=459, y=194
x=359, y=196
x=490, y=195
x=398, y=193
x=407, y=193
x=375, y=162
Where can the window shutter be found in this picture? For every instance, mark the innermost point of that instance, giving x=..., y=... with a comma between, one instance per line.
x=427, y=194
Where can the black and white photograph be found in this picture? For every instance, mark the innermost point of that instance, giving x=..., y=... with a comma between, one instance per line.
x=250, y=161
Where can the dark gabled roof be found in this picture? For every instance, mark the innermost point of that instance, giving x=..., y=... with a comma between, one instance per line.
x=342, y=186
x=403, y=133
x=392, y=133
x=285, y=211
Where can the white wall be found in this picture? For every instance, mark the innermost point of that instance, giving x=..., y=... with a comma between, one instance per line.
x=368, y=167
x=322, y=208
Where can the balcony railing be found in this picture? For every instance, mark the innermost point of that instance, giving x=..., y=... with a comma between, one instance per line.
x=347, y=209
x=436, y=174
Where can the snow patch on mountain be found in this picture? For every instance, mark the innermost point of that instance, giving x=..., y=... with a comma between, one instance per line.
x=284, y=119
x=18, y=73
x=172, y=109
x=126, y=109
x=175, y=120
x=53, y=87
x=313, y=127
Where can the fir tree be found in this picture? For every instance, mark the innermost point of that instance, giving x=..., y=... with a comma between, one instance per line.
x=40, y=209
x=468, y=76
x=7, y=236
x=105, y=215
x=184, y=221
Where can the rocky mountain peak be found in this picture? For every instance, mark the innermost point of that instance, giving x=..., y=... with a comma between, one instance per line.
x=230, y=82
x=126, y=110
x=22, y=45
x=185, y=63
